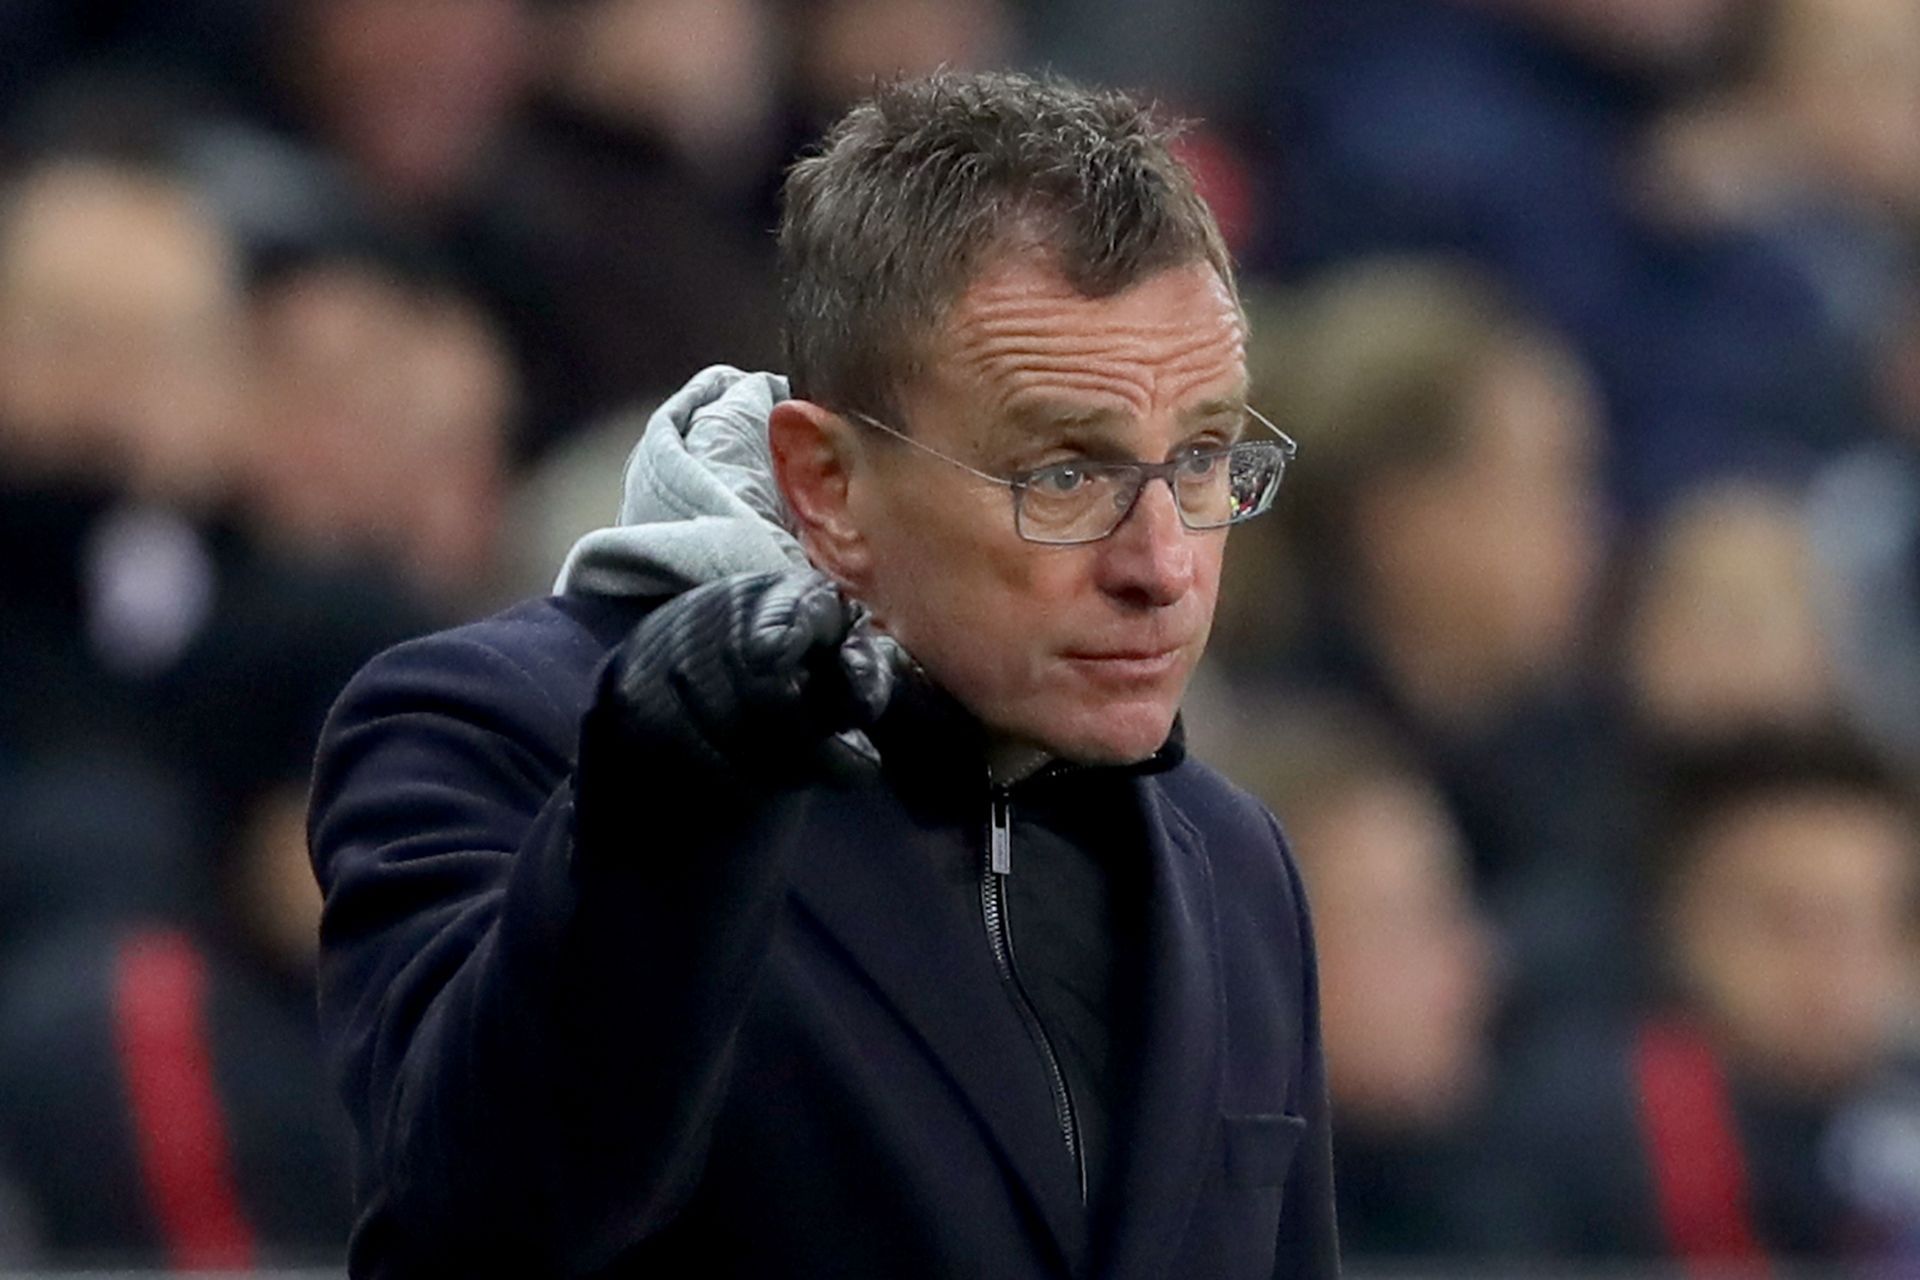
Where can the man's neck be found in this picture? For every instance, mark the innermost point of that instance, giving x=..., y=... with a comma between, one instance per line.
x=1011, y=762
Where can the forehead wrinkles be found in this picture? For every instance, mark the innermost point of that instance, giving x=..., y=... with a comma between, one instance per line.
x=1012, y=339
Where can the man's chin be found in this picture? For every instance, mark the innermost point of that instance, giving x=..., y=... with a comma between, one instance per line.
x=1112, y=736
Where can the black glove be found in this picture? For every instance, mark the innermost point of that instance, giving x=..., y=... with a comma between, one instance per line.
x=764, y=669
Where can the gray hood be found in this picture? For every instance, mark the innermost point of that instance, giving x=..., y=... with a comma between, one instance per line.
x=700, y=501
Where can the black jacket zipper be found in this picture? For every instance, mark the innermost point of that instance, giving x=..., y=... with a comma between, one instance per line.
x=993, y=908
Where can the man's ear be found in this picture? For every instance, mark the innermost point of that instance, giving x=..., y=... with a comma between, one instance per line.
x=816, y=461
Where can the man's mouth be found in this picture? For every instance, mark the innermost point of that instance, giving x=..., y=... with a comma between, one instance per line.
x=1128, y=664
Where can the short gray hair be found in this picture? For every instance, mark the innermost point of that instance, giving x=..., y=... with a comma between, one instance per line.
x=886, y=224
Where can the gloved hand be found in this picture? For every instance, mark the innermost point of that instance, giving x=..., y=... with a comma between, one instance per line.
x=763, y=668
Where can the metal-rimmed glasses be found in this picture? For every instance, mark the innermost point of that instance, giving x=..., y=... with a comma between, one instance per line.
x=1084, y=500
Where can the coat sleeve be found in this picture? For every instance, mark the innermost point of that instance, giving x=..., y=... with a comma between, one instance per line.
x=541, y=934
x=1309, y=1247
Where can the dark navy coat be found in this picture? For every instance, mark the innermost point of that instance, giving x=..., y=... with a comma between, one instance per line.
x=600, y=1007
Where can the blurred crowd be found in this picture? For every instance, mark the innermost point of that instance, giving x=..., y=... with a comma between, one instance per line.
x=1582, y=662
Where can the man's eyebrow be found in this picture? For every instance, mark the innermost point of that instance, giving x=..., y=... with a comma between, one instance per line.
x=1042, y=415
x=1221, y=407
x=1062, y=418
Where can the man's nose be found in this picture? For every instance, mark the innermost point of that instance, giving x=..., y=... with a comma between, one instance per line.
x=1150, y=557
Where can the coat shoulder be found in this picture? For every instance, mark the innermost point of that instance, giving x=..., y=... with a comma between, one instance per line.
x=541, y=655
x=548, y=637
x=1230, y=818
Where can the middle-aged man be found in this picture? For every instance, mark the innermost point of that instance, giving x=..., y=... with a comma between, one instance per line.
x=817, y=885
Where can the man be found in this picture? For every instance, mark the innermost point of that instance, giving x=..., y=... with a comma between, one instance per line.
x=1755, y=1103
x=661, y=940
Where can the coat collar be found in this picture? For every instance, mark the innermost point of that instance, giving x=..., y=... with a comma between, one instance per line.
x=1165, y=1145
x=933, y=749
x=893, y=910
x=901, y=922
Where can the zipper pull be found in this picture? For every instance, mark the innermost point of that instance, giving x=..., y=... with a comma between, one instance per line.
x=1000, y=833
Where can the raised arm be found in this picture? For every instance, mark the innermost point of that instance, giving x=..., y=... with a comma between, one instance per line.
x=550, y=885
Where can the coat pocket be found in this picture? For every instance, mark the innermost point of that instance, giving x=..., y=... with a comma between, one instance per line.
x=1256, y=1150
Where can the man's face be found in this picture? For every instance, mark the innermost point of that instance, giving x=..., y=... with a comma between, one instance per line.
x=120, y=331
x=1081, y=650
x=414, y=92
x=1491, y=555
x=1406, y=961
x=1791, y=928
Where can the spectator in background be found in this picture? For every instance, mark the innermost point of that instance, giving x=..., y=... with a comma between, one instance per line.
x=402, y=119
x=95, y=837
x=635, y=199
x=384, y=403
x=1833, y=161
x=1723, y=636
x=1723, y=630
x=164, y=673
x=122, y=337
x=140, y=609
x=117, y=402
x=1816, y=150
x=161, y=1093
x=1450, y=524
x=1448, y=528
x=1760, y=1103
x=646, y=186
x=417, y=96
x=601, y=172
x=121, y=346
x=1407, y=969
x=1513, y=132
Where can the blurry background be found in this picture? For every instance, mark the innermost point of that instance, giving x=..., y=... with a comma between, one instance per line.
x=1582, y=661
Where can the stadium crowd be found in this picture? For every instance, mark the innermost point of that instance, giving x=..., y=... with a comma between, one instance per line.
x=1582, y=662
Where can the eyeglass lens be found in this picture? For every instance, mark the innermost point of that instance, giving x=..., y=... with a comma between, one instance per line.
x=1084, y=501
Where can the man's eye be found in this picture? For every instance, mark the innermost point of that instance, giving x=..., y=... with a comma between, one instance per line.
x=1198, y=466
x=1064, y=478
